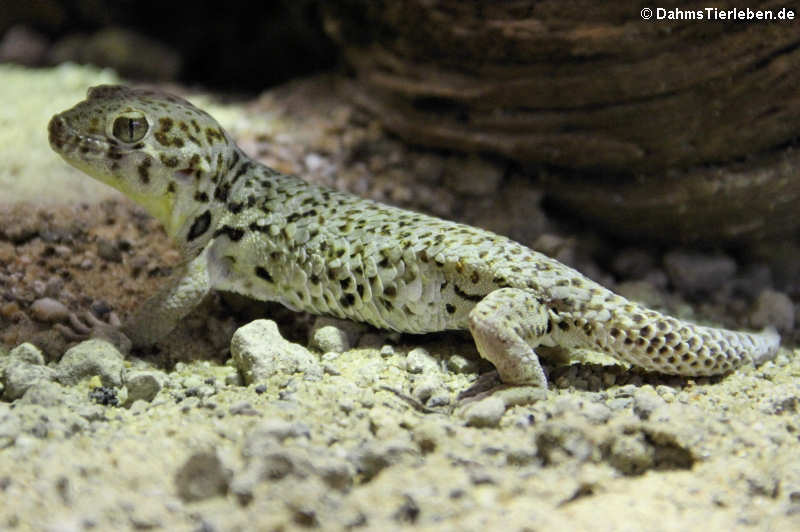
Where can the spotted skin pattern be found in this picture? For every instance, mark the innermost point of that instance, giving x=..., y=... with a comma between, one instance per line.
x=246, y=228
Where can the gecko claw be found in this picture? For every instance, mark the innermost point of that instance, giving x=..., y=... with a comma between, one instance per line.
x=85, y=325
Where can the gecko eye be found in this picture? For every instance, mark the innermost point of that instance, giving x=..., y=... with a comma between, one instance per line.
x=130, y=128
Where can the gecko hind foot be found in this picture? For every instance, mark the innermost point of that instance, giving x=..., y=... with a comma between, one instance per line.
x=506, y=325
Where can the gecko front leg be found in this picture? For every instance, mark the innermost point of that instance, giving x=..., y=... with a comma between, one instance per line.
x=157, y=316
x=507, y=325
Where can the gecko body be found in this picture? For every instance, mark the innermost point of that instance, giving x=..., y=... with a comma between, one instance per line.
x=244, y=227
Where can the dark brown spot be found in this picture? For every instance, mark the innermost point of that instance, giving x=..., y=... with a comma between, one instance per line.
x=233, y=233
x=263, y=274
x=144, y=170
x=450, y=308
x=170, y=162
x=199, y=226
x=469, y=297
x=347, y=300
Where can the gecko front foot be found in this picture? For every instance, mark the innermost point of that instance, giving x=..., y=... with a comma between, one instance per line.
x=85, y=325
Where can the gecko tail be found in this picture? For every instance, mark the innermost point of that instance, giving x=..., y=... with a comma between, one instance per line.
x=768, y=341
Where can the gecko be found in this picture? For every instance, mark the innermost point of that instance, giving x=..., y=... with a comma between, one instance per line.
x=243, y=227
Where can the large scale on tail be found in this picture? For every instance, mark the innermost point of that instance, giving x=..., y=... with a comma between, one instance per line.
x=244, y=227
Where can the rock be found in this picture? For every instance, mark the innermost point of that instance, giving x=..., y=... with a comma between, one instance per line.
x=420, y=361
x=645, y=402
x=89, y=358
x=485, y=413
x=107, y=250
x=332, y=334
x=202, y=476
x=48, y=310
x=428, y=386
x=330, y=338
x=630, y=454
x=45, y=393
x=773, y=309
x=335, y=473
x=142, y=385
x=461, y=365
x=259, y=351
x=375, y=456
x=632, y=263
x=28, y=353
x=563, y=441
x=276, y=430
x=472, y=175
x=521, y=395
x=422, y=71
x=18, y=377
x=641, y=292
x=10, y=429
x=387, y=351
x=694, y=273
x=596, y=413
x=23, y=46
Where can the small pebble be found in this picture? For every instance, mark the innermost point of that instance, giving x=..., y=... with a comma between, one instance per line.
x=632, y=263
x=521, y=395
x=426, y=387
x=485, y=413
x=49, y=310
x=461, y=365
x=202, y=476
x=775, y=309
x=28, y=353
x=332, y=334
x=645, y=402
x=698, y=272
x=259, y=352
x=243, y=408
x=106, y=250
x=420, y=361
x=142, y=386
x=19, y=377
x=330, y=338
x=387, y=350
x=89, y=358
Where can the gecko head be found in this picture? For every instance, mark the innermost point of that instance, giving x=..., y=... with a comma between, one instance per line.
x=158, y=149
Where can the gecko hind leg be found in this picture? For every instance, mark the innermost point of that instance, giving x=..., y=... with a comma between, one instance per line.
x=507, y=325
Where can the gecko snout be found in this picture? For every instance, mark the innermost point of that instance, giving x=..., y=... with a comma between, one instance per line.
x=56, y=131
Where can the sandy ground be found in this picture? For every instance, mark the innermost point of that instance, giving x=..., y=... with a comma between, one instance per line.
x=375, y=432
